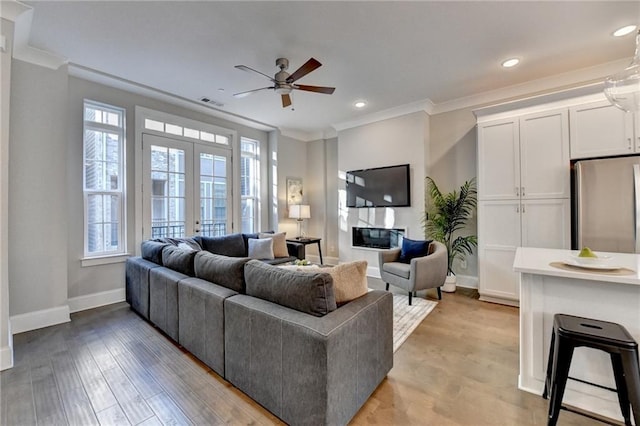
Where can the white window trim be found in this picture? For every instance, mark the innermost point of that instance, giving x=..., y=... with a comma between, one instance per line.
x=91, y=259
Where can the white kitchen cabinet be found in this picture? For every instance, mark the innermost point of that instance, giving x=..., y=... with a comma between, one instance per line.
x=599, y=129
x=523, y=193
x=524, y=157
x=503, y=226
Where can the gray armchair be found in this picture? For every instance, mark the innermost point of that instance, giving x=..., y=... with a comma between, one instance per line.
x=421, y=274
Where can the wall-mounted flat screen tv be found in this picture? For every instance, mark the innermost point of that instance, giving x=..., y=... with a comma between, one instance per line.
x=379, y=187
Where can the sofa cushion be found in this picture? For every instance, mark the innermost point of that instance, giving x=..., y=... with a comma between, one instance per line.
x=305, y=292
x=279, y=243
x=413, y=248
x=246, y=238
x=152, y=251
x=261, y=248
x=349, y=280
x=179, y=260
x=227, y=245
x=222, y=270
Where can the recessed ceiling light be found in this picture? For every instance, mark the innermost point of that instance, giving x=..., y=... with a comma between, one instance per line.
x=624, y=30
x=360, y=104
x=511, y=62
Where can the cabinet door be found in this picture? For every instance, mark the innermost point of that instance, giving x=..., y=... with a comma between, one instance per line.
x=546, y=223
x=637, y=130
x=544, y=155
x=498, y=160
x=600, y=129
x=498, y=238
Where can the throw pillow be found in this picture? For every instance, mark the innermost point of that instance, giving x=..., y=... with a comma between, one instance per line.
x=413, y=248
x=302, y=291
x=279, y=243
x=349, y=280
x=261, y=248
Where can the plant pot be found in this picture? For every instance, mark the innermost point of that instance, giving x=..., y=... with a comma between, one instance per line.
x=449, y=285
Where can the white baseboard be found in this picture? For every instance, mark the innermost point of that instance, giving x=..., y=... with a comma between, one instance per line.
x=39, y=319
x=6, y=353
x=373, y=271
x=325, y=260
x=467, y=281
x=90, y=301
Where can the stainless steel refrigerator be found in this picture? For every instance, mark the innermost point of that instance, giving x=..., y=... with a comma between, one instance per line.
x=607, y=204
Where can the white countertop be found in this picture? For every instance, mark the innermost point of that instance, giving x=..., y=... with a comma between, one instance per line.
x=537, y=261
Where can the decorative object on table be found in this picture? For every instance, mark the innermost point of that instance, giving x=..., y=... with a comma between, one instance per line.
x=294, y=191
x=301, y=262
x=445, y=216
x=623, y=88
x=299, y=212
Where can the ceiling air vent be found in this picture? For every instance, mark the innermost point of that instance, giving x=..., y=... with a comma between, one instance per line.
x=211, y=102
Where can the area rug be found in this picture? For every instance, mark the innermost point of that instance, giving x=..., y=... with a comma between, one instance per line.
x=406, y=318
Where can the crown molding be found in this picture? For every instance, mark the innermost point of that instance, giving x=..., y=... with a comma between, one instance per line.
x=423, y=105
x=11, y=9
x=100, y=77
x=558, y=83
x=301, y=135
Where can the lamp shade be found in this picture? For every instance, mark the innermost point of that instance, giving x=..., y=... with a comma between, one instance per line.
x=299, y=211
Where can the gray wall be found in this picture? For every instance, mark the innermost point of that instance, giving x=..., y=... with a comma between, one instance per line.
x=399, y=140
x=454, y=161
x=292, y=162
x=38, y=214
x=6, y=30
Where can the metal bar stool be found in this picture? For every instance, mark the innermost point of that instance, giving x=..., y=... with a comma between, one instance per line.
x=570, y=332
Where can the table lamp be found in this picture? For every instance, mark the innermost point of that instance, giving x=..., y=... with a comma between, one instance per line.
x=299, y=212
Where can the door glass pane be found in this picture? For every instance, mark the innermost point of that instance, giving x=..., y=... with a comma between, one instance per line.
x=213, y=195
x=168, y=202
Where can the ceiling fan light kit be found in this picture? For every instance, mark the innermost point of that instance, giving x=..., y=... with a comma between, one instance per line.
x=283, y=82
x=623, y=88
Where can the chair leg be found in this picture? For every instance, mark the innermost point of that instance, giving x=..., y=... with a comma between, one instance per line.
x=410, y=294
x=439, y=294
x=562, y=354
x=415, y=294
x=631, y=367
x=621, y=387
x=386, y=287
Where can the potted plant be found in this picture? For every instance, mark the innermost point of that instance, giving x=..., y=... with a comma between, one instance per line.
x=445, y=215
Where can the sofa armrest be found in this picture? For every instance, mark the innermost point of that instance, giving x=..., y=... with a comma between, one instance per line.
x=430, y=270
x=296, y=249
x=306, y=369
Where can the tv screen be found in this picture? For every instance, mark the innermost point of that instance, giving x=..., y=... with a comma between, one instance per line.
x=379, y=187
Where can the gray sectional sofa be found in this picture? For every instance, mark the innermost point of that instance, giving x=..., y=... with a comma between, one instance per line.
x=275, y=334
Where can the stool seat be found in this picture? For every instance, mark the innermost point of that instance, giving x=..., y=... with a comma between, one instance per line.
x=570, y=332
x=594, y=331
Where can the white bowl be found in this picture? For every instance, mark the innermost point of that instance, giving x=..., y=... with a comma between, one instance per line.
x=600, y=260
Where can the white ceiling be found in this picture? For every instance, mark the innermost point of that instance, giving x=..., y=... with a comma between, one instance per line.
x=390, y=54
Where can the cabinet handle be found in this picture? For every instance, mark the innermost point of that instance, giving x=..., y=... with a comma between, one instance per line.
x=523, y=209
x=629, y=140
x=522, y=190
x=517, y=209
x=517, y=191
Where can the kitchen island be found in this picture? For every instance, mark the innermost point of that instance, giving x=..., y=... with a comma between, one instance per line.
x=549, y=286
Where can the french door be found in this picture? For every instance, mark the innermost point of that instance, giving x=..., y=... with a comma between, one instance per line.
x=186, y=188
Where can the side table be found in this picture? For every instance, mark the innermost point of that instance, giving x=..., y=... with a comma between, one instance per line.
x=306, y=241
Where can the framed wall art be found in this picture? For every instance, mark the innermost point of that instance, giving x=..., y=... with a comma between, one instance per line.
x=294, y=190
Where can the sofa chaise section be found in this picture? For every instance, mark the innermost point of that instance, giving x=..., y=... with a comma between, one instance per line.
x=308, y=369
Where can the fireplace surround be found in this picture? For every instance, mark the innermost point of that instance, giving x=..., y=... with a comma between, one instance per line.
x=376, y=238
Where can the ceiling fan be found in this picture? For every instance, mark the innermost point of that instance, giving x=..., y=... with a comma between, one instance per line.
x=284, y=82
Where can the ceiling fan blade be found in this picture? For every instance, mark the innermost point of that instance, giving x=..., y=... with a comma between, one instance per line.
x=286, y=100
x=305, y=69
x=248, y=92
x=316, y=89
x=248, y=69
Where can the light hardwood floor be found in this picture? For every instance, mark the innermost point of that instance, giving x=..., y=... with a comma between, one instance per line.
x=109, y=366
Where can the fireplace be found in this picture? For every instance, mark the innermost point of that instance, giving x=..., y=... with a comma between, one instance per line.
x=378, y=238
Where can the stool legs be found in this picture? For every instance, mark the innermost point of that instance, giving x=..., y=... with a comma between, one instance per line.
x=547, y=381
x=562, y=354
x=621, y=387
x=631, y=368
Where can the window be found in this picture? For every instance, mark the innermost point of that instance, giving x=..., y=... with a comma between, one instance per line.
x=249, y=184
x=103, y=171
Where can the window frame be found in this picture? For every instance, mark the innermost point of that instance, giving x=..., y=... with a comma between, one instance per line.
x=99, y=257
x=255, y=156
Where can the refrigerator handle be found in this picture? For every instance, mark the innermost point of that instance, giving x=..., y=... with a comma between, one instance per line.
x=578, y=200
x=636, y=205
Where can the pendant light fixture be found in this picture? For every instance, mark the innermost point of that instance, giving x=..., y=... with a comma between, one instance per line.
x=623, y=88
